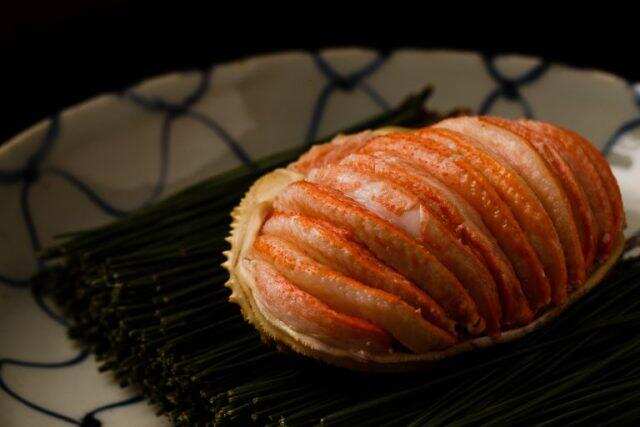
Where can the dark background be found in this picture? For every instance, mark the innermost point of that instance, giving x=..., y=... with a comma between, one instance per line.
x=57, y=53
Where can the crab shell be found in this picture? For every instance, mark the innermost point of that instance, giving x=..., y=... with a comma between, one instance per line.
x=256, y=207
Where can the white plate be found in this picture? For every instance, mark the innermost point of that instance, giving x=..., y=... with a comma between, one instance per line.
x=111, y=148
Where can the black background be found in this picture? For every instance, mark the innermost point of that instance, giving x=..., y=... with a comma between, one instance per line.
x=58, y=53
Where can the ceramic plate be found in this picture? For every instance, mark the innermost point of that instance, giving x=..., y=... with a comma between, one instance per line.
x=102, y=158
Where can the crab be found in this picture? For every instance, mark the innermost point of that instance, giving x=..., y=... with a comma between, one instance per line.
x=393, y=249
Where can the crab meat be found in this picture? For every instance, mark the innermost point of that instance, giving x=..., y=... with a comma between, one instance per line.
x=549, y=150
x=514, y=151
x=464, y=222
x=335, y=248
x=572, y=150
x=608, y=179
x=442, y=238
x=460, y=176
x=388, y=243
x=524, y=204
x=309, y=316
x=351, y=297
x=355, y=177
x=330, y=152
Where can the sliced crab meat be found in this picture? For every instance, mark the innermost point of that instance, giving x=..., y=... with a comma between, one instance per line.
x=309, y=316
x=326, y=244
x=518, y=153
x=351, y=297
x=464, y=222
x=524, y=204
x=388, y=243
x=608, y=179
x=330, y=152
x=591, y=181
x=356, y=177
x=460, y=176
x=549, y=150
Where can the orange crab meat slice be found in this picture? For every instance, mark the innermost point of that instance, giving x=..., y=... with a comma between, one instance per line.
x=462, y=220
x=309, y=316
x=524, y=204
x=517, y=153
x=457, y=174
x=608, y=179
x=388, y=243
x=330, y=152
x=549, y=150
x=590, y=180
x=335, y=248
x=355, y=177
x=351, y=297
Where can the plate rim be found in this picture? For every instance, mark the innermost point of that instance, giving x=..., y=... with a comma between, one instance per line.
x=93, y=102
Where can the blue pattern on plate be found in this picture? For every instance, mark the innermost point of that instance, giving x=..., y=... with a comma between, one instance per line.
x=346, y=83
x=626, y=127
x=31, y=173
x=26, y=177
x=88, y=420
x=50, y=365
x=509, y=88
x=184, y=109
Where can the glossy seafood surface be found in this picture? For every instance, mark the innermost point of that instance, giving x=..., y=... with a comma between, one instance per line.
x=397, y=247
